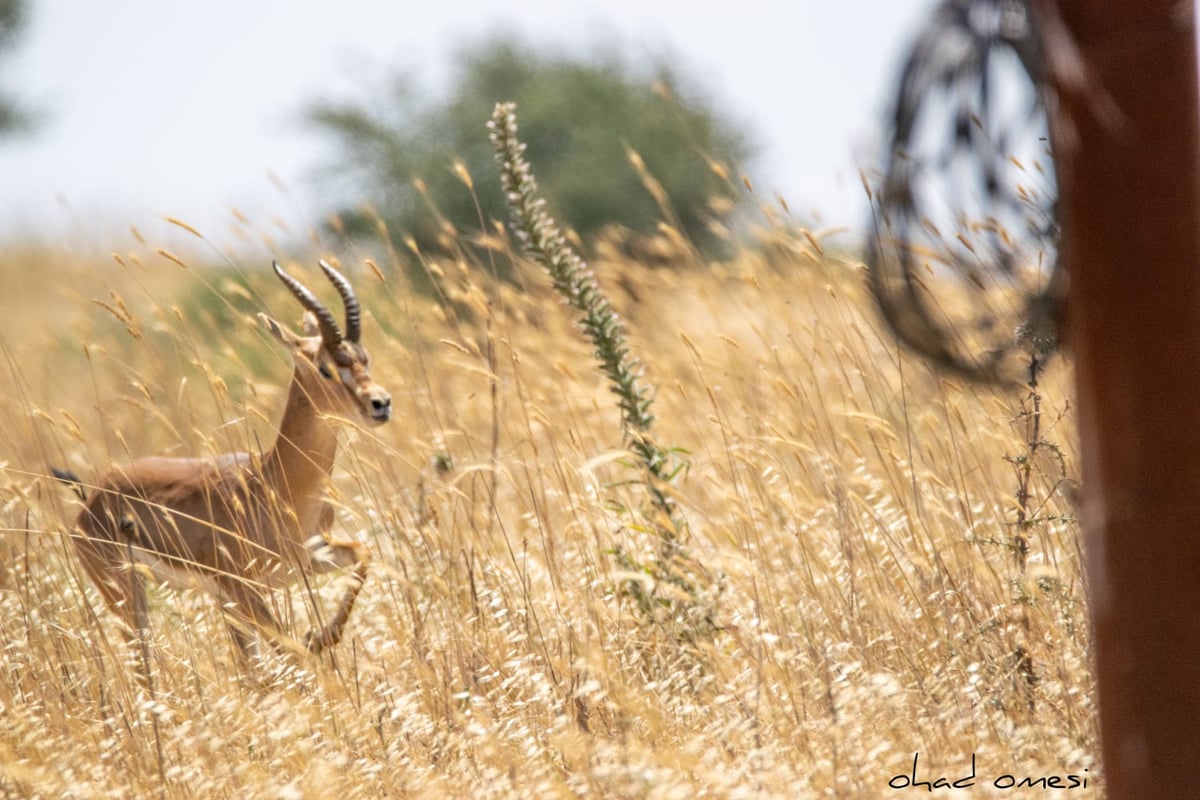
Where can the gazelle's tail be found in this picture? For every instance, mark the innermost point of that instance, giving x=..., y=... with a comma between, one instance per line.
x=72, y=480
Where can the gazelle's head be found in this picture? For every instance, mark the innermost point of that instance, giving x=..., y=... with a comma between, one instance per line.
x=332, y=366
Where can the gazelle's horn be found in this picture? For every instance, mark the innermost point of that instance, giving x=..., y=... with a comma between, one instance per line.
x=330, y=334
x=349, y=299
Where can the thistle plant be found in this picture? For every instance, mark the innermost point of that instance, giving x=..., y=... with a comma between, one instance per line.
x=575, y=282
x=1037, y=339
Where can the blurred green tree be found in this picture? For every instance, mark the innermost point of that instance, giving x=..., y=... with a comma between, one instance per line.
x=12, y=17
x=582, y=118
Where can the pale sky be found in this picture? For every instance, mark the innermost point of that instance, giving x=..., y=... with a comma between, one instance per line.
x=151, y=109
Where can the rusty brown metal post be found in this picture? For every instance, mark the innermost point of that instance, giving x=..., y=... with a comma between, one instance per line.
x=1126, y=133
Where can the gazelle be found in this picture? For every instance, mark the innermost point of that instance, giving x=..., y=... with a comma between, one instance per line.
x=241, y=523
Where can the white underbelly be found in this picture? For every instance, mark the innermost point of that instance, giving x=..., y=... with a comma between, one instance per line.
x=174, y=574
x=180, y=576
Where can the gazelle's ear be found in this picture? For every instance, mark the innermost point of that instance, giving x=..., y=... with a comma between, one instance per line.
x=310, y=325
x=280, y=332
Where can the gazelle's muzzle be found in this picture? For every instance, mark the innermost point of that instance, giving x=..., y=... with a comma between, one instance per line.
x=377, y=405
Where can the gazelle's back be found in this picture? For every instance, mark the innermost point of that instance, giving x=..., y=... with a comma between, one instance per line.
x=181, y=513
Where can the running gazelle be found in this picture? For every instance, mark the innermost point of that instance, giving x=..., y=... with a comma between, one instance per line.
x=240, y=524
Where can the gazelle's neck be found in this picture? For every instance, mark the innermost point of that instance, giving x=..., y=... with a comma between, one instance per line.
x=301, y=460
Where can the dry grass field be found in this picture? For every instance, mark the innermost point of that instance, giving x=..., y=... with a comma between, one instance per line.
x=853, y=508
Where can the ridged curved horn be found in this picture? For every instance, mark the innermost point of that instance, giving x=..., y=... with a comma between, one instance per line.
x=349, y=299
x=330, y=334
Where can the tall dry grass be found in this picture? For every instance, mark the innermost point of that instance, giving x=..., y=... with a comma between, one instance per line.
x=857, y=508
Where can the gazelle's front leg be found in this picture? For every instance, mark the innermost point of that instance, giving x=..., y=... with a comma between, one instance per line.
x=326, y=556
x=246, y=611
x=318, y=639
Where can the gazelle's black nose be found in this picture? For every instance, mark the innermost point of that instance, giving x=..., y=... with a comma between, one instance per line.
x=381, y=408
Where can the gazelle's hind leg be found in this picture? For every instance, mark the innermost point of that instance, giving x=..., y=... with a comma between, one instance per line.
x=123, y=588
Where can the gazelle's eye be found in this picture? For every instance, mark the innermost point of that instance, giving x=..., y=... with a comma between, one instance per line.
x=324, y=370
